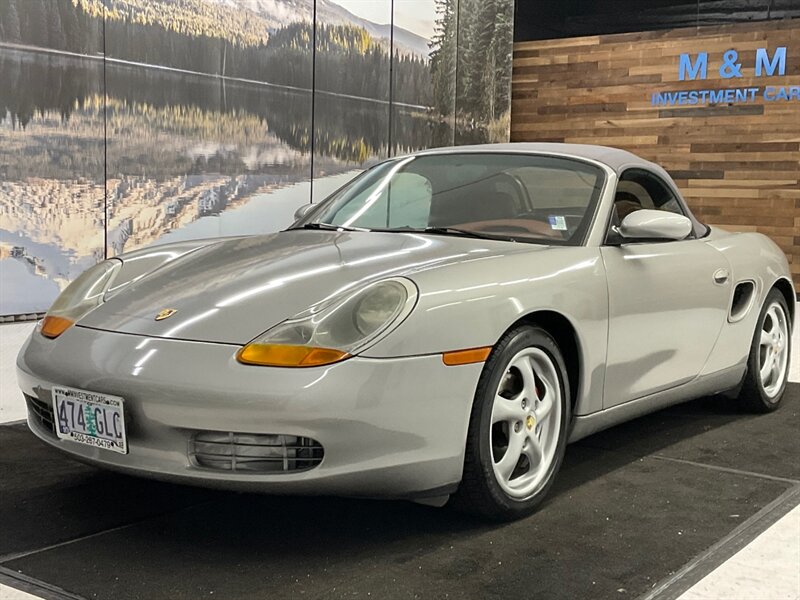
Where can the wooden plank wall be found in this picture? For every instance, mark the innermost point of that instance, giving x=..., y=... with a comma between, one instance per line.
x=738, y=165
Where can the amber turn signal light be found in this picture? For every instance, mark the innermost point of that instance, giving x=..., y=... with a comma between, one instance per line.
x=280, y=355
x=52, y=327
x=466, y=357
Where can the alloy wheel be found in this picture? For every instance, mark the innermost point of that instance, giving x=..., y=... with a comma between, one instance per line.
x=773, y=357
x=525, y=425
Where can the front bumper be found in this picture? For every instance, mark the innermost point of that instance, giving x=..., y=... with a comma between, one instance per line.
x=389, y=427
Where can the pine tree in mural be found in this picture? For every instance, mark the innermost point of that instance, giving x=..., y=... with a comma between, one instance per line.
x=486, y=71
x=9, y=19
x=69, y=21
x=208, y=37
x=55, y=28
x=483, y=32
x=502, y=50
x=443, y=57
x=37, y=21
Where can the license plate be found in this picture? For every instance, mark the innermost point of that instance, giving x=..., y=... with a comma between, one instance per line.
x=90, y=418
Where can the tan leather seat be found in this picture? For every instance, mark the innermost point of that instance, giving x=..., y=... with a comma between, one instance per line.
x=625, y=203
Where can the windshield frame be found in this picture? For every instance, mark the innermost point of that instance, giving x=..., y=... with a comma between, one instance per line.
x=584, y=231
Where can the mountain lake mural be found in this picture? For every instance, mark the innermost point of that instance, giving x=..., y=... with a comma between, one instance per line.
x=126, y=123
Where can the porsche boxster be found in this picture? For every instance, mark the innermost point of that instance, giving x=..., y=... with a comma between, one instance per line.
x=439, y=328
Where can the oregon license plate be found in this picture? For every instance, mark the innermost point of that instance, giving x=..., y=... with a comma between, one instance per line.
x=90, y=418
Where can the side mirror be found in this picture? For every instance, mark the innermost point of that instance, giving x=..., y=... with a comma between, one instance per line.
x=303, y=211
x=654, y=225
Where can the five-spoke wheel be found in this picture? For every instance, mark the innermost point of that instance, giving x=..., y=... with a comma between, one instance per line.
x=768, y=363
x=525, y=422
x=518, y=425
x=773, y=355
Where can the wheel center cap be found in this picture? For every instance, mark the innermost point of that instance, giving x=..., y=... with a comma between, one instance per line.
x=530, y=422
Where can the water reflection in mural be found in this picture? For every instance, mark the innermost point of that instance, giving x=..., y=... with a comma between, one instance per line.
x=194, y=119
x=51, y=175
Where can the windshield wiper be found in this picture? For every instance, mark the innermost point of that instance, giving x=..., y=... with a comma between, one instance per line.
x=326, y=227
x=454, y=231
x=465, y=233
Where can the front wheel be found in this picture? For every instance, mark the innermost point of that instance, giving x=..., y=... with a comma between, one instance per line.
x=518, y=427
x=768, y=362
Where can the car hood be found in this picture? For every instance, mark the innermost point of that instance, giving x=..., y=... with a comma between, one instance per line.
x=233, y=290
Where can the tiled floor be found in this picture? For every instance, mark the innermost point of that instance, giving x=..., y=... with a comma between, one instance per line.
x=12, y=336
x=7, y=593
x=768, y=567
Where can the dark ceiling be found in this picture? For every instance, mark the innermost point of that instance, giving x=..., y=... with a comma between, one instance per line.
x=548, y=19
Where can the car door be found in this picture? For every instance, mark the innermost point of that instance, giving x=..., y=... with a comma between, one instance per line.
x=666, y=299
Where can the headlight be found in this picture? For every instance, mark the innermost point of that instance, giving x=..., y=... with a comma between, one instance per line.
x=79, y=297
x=336, y=331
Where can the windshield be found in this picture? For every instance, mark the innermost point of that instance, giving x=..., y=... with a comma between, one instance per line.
x=520, y=197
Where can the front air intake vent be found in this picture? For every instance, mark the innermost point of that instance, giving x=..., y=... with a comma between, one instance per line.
x=743, y=295
x=254, y=453
x=41, y=413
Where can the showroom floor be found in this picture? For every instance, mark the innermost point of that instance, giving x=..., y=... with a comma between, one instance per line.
x=696, y=501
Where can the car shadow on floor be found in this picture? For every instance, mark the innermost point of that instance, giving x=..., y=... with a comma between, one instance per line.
x=679, y=432
x=681, y=426
x=713, y=431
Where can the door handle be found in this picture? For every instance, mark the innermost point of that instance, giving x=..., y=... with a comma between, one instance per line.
x=721, y=276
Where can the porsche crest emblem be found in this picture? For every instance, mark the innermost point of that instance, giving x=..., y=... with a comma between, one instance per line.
x=166, y=314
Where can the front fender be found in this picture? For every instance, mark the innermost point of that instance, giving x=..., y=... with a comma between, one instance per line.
x=472, y=303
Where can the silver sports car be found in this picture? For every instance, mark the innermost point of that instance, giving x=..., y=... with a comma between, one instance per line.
x=438, y=328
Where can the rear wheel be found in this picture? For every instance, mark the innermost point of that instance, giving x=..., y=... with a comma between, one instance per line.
x=768, y=362
x=517, y=432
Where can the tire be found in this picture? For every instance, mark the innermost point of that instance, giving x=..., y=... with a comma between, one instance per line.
x=772, y=338
x=504, y=395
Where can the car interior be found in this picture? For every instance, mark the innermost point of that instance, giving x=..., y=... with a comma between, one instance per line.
x=550, y=199
x=638, y=189
x=542, y=202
